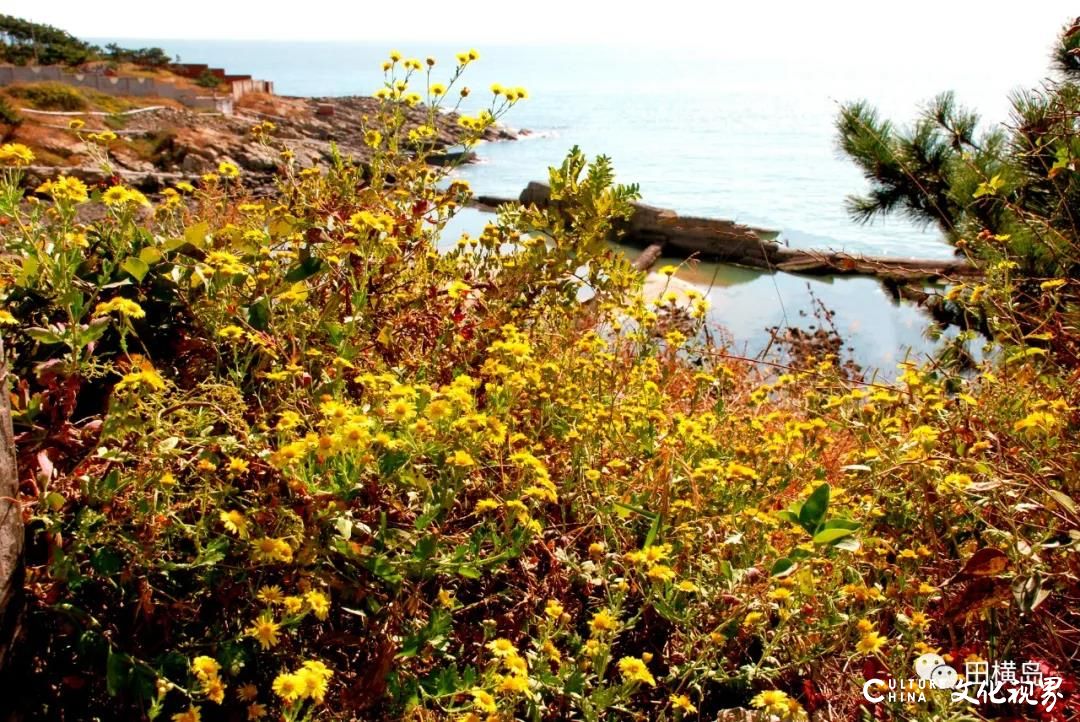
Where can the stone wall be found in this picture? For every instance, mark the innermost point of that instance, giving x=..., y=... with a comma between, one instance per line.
x=116, y=85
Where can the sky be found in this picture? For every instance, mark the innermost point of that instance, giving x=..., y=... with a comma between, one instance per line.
x=789, y=29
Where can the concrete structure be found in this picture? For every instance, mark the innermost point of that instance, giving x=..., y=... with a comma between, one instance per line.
x=120, y=85
x=239, y=85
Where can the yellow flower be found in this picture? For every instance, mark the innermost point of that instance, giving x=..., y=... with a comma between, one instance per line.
x=512, y=684
x=191, y=714
x=553, y=609
x=1052, y=284
x=233, y=333
x=6, y=319
x=634, y=670
x=235, y=522
x=870, y=643
x=461, y=458
x=293, y=604
x=247, y=692
x=1037, y=421
x=603, y=621
x=682, y=703
x=400, y=410
x=661, y=573
x=319, y=603
x=315, y=677
x=773, y=701
x=457, y=289
x=780, y=595
x=271, y=595
x=437, y=89
x=205, y=667
x=16, y=154
x=214, y=689
x=270, y=549
x=289, y=687
x=65, y=188
x=483, y=700
x=516, y=664
x=502, y=647
x=237, y=465
x=123, y=306
x=373, y=138
x=485, y=505
x=120, y=196
x=265, y=630
x=228, y=170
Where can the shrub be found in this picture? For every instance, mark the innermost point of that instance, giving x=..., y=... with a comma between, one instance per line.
x=281, y=456
x=49, y=96
x=8, y=114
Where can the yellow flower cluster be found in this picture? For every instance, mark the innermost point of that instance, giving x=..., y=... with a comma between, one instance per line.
x=16, y=154
x=207, y=671
x=310, y=681
x=65, y=189
x=124, y=306
x=121, y=196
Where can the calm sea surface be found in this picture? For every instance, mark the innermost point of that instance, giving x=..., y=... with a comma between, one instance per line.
x=701, y=133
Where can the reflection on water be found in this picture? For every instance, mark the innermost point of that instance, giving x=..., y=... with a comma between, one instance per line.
x=878, y=331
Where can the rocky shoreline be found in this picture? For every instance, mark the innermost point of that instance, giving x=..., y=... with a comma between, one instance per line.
x=163, y=145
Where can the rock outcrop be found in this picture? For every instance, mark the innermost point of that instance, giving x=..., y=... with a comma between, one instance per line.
x=158, y=146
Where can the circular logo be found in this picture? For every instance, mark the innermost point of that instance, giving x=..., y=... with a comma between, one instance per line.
x=943, y=677
x=926, y=664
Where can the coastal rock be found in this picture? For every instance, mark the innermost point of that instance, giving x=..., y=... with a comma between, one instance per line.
x=165, y=142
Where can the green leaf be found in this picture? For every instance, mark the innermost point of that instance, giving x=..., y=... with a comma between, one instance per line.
x=94, y=331
x=789, y=515
x=989, y=188
x=828, y=536
x=654, y=530
x=44, y=335
x=469, y=572
x=106, y=561
x=841, y=523
x=849, y=544
x=307, y=268
x=137, y=267
x=1064, y=500
x=382, y=568
x=813, y=509
x=117, y=672
x=259, y=314
x=30, y=266
x=196, y=234
x=782, y=567
x=150, y=255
